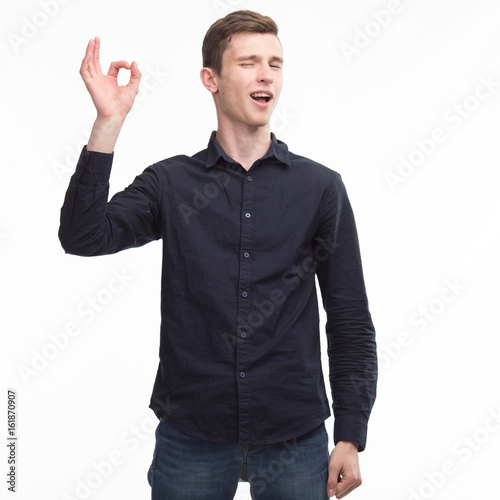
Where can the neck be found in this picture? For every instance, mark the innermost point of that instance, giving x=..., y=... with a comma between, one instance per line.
x=244, y=144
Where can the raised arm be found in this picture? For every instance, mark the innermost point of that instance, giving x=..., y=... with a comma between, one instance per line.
x=112, y=101
x=90, y=225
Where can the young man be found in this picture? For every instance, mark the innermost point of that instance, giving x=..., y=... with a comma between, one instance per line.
x=246, y=225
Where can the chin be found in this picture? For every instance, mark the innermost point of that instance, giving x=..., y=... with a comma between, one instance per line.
x=262, y=122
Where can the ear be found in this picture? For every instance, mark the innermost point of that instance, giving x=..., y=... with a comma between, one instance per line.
x=209, y=80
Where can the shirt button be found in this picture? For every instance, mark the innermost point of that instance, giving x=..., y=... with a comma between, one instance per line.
x=248, y=215
x=243, y=335
x=246, y=255
x=249, y=178
x=244, y=294
x=242, y=374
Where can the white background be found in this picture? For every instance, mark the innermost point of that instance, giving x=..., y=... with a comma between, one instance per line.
x=361, y=89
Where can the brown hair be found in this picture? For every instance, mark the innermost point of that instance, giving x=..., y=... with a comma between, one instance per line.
x=218, y=36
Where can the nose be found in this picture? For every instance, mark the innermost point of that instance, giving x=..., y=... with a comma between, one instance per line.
x=265, y=74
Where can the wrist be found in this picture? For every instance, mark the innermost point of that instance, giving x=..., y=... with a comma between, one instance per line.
x=348, y=444
x=105, y=133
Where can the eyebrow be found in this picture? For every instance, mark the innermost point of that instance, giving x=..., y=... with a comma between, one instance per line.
x=253, y=57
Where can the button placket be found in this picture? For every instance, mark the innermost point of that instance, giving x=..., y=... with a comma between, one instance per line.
x=245, y=291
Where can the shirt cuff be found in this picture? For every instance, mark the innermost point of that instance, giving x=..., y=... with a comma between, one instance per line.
x=93, y=167
x=350, y=428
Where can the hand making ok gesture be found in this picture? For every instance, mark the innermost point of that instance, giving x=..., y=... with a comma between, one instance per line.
x=110, y=99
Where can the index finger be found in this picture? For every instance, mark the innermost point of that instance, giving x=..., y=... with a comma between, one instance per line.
x=97, y=53
x=345, y=490
x=86, y=63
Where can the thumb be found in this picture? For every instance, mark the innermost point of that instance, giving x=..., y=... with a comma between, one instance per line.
x=333, y=481
x=135, y=75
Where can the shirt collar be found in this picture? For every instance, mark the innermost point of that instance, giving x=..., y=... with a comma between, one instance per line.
x=277, y=150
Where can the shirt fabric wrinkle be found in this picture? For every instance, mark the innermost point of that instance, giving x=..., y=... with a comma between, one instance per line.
x=239, y=357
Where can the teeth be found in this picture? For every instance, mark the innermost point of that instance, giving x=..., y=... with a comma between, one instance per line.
x=261, y=94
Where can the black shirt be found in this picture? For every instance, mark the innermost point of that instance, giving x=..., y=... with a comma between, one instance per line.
x=240, y=342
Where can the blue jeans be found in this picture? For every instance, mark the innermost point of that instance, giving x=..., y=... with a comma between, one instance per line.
x=187, y=468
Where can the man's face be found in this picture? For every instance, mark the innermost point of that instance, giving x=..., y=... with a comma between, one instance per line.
x=251, y=79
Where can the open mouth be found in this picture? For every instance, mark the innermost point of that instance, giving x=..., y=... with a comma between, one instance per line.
x=261, y=97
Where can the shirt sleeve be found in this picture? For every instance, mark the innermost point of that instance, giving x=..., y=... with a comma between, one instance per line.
x=90, y=225
x=349, y=327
